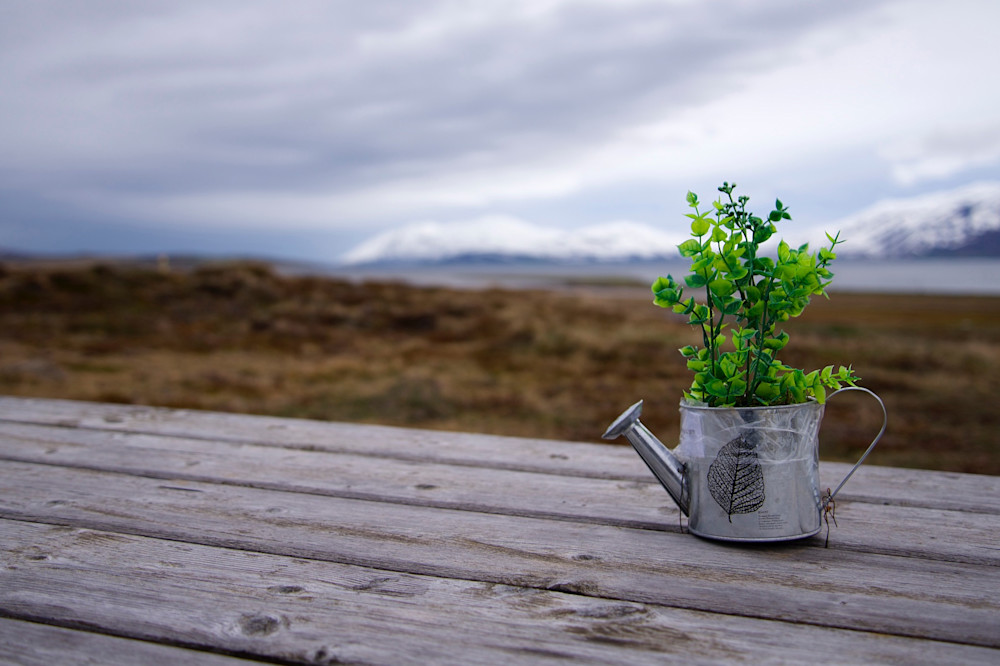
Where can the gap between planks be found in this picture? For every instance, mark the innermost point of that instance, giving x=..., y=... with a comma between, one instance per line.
x=881, y=527
x=865, y=591
x=286, y=609
x=904, y=487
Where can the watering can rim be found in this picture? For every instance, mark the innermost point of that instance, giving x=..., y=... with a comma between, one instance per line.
x=810, y=403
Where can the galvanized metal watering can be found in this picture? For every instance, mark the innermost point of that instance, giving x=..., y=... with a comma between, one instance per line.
x=742, y=474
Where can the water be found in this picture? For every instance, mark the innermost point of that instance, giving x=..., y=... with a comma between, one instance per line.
x=973, y=276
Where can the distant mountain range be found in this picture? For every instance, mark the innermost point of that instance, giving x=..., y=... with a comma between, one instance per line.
x=956, y=223
x=498, y=238
x=960, y=222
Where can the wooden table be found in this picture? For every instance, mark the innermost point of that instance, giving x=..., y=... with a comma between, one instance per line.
x=137, y=535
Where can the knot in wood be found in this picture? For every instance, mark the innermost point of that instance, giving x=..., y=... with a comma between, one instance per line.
x=258, y=624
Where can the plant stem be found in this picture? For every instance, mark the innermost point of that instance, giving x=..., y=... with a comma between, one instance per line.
x=713, y=348
x=764, y=325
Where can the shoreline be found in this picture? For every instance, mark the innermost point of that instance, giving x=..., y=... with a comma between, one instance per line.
x=959, y=277
x=932, y=276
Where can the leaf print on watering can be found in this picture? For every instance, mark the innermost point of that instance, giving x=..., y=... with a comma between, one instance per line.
x=736, y=478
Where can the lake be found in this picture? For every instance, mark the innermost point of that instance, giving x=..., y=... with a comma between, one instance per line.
x=979, y=276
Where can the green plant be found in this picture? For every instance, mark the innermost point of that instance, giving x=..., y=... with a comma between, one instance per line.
x=746, y=296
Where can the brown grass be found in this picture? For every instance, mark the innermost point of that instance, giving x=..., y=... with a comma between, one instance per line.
x=558, y=364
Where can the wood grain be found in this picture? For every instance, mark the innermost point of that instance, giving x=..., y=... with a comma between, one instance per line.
x=881, y=528
x=904, y=487
x=800, y=583
x=308, y=611
x=147, y=535
x=33, y=644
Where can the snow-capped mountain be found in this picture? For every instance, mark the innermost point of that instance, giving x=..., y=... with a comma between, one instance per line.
x=503, y=238
x=960, y=222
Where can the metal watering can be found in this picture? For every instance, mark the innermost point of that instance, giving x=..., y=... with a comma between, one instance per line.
x=743, y=473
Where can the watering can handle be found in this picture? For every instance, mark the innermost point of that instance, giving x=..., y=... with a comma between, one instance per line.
x=885, y=422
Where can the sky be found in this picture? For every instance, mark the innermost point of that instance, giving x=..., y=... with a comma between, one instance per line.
x=298, y=129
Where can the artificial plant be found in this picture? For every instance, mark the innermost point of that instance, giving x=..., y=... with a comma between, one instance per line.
x=746, y=296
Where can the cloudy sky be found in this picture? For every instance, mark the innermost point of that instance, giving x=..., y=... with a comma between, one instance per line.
x=299, y=128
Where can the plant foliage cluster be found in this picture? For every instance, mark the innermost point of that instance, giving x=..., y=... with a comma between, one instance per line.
x=747, y=296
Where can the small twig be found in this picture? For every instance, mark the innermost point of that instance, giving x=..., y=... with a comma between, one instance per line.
x=829, y=511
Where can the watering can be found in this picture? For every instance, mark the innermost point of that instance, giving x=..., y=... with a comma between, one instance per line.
x=743, y=473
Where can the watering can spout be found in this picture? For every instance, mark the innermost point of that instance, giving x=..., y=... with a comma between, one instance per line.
x=668, y=470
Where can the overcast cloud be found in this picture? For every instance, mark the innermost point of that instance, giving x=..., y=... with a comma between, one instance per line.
x=299, y=128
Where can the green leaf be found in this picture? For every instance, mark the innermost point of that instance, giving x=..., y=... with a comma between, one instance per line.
x=685, y=307
x=719, y=234
x=776, y=343
x=700, y=265
x=788, y=382
x=785, y=272
x=700, y=227
x=666, y=298
x=717, y=388
x=695, y=280
x=688, y=351
x=692, y=198
x=664, y=283
x=722, y=288
x=767, y=392
x=689, y=247
x=732, y=306
x=738, y=272
x=665, y=292
x=783, y=251
x=762, y=234
x=778, y=306
x=738, y=342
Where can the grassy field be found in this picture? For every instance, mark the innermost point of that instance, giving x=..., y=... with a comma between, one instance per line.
x=559, y=364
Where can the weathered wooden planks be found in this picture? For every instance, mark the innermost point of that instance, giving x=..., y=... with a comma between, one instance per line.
x=294, y=541
x=308, y=611
x=33, y=644
x=965, y=536
x=797, y=583
x=918, y=488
